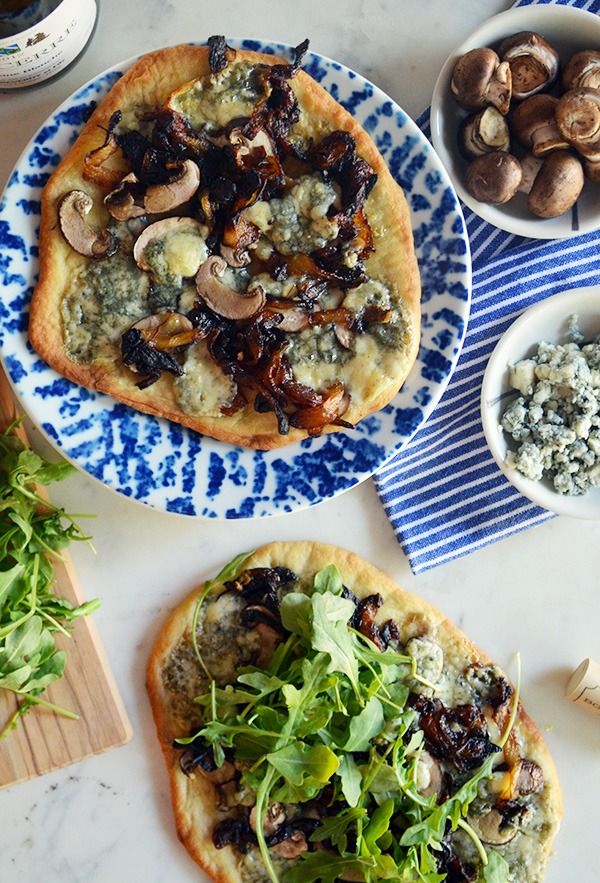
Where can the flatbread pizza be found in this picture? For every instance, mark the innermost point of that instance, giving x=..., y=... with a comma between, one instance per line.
x=319, y=723
x=224, y=246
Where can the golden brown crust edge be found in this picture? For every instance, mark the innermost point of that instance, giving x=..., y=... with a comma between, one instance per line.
x=148, y=83
x=195, y=823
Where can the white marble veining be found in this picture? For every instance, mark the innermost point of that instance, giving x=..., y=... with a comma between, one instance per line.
x=108, y=820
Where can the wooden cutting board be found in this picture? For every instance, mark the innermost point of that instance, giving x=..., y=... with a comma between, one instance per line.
x=44, y=741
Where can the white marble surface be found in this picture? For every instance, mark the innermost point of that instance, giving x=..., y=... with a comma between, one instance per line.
x=108, y=820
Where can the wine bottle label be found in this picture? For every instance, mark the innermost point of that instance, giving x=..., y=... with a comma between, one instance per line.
x=45, y=48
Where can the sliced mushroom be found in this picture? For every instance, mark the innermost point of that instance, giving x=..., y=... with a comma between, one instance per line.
x=530, y=777
x=167, y=330
x=127, y=200
x=491, y=828
x=222, y=300
x=578, y=119
x=166, y=197
x=429, y=775
x=557, y=185
x=479, y=78
x=239, y=236
x=494, y=177
x=131, y=198
x=73, y=208
x=582, y=71
x=220, y=775
x=189, y=263
x=292, y=847
x=274, y=818
x=269, y=639
x=484, y=132
x=533, y=63
x=534, y=125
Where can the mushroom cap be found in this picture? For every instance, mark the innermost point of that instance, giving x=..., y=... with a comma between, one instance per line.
x=162, y=229
x=533, y=124
x=578, y=119
x=491, y=829
x=72, y=210
x=471, y=77
x=494, y=177
x=166, y=197
x=582, y=70
x=533, y=63
x=484, y=132
x=222, y=300
x=557, y=185
x=125, y=201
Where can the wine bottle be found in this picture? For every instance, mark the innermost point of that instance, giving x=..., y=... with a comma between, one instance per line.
x=39, y=38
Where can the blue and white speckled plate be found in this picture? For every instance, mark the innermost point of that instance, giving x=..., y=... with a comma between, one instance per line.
x=172, y=468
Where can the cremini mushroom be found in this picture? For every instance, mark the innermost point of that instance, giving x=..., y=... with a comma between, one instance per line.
x=429, y=775
x=592, y=170
x=556, y=186
x=167, y=330
x=292, y=847
x=177, y=190
x=534, y=125
x=220, y=775
x=483, y=132
x=72, y=211
x=494, y=177
x=188, y=259
x=132, y=198
x=530, y=777
x=533, y=63
x=491, y=828
x=127, y=200
x=273, y=819
x=578, y=119
x=582, y=71
x=479, y=79
x=222, y=300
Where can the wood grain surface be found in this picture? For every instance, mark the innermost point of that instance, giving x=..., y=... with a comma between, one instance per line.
x=44, y=741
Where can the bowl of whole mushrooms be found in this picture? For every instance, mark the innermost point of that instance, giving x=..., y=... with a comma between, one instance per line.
x=515, y=118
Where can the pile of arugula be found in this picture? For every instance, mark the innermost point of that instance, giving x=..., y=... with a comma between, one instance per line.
x=31, y=532
x=331, y=708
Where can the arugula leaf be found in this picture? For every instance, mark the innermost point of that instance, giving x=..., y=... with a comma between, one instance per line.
x=322, y=867
x=299, y=763
x=295, y=611
x=351, y=779
x=335, y=828
x=365, y=726
x=328, y=580
x=378, y=826
x=330, y=634
x=497, y=868
x=32, y=532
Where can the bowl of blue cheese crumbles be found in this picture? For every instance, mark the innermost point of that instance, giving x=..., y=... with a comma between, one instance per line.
x=540, y=403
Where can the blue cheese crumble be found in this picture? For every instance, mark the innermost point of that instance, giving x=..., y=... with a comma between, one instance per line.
x=556, y=418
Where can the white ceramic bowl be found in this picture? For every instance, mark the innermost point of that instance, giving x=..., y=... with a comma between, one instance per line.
x=545, y=321
x=569, y=30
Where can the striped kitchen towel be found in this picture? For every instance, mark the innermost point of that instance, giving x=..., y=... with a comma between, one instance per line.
x=444, y=494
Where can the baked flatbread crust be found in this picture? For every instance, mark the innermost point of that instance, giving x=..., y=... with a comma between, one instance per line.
x=193, y=798
x=146, y=86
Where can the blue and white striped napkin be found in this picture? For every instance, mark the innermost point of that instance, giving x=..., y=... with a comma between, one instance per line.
x=444, y=494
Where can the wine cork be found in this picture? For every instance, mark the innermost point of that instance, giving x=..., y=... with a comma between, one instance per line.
x=584, y=685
